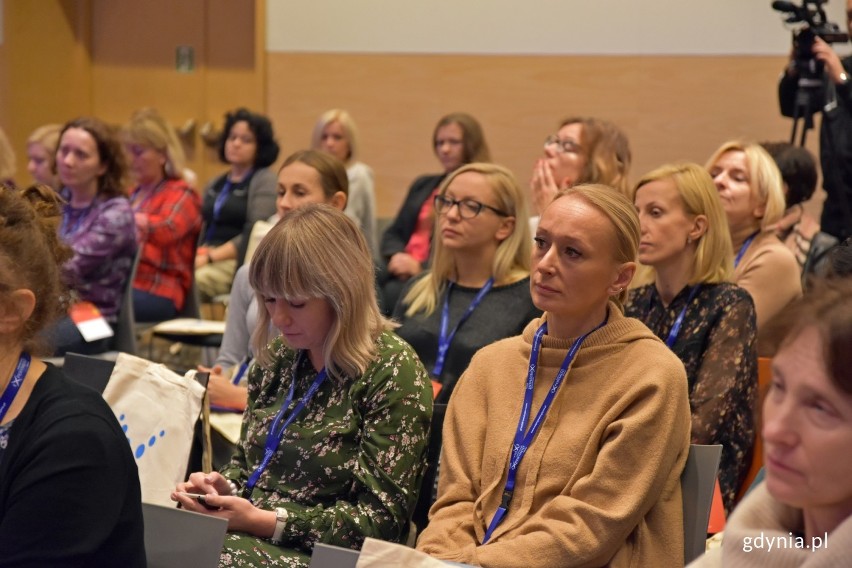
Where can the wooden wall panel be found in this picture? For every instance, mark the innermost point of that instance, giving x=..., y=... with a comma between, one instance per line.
x=47, y=68
x=672, y=108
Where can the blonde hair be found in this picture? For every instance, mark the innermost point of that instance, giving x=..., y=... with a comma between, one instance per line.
x=764, y=177
x=148, y=128
x=344, y=119
x=47, y=137
x=607, y=152
x=316, y=251
x=512, y=258
x=713, y=261
x=622, y=216
x=7, y=158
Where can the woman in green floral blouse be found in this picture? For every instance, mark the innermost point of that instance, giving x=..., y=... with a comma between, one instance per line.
x=336, y=428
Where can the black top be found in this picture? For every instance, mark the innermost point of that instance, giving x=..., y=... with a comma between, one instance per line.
x=504, y=312
x=717, y=345
x=69, y=487
x=398, y=233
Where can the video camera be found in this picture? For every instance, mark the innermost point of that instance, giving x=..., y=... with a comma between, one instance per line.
x=814, y=23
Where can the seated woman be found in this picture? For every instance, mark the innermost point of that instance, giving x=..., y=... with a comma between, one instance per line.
x=583, y=150
x=69, y=488
x=802, y=508
x=97, y=223
x=592, y=478
x=749, y=185
x=305, y=177
x=708, y=322
x=168, y=217
x=335, y=433
x=235, y=200
x=335, y=132
x=478, y=289
x=41, y=155
x=457, y=140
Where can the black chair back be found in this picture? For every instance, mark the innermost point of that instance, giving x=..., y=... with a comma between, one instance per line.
x=430, y=476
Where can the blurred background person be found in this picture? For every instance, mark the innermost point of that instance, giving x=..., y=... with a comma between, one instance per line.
x=335, y=132
x=476, y=290
x=69, y=487
x=797, y=229
x=98, y=225
x=232, y=202
x=457, y=140
x=694, y=308
x=752, y=195
x=41, y=155
x=167, y=212
x=583, y=150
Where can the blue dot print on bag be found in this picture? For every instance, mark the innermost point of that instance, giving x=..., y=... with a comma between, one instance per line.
x=140, y=449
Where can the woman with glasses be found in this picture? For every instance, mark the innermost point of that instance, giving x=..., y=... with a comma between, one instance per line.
x=477, y=290
x=583, y=150
x=457, y=140
x=564, y=446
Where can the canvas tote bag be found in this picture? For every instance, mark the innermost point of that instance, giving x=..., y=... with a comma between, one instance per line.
x=157, y=409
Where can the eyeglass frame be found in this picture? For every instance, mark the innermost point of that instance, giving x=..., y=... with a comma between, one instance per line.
x=572, y=147
x=443, y=205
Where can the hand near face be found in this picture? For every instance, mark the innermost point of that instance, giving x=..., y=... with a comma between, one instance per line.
x=404, y=266
x=823, y=52
x=543, y=185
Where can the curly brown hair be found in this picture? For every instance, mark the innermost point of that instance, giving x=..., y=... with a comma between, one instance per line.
x=31, y=254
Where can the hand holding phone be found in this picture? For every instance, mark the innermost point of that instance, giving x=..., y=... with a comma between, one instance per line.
x=200, y=498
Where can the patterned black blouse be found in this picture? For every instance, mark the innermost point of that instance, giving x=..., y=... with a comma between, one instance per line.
x=717, y=344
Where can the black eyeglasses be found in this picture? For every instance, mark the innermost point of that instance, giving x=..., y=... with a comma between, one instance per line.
x=468, y=208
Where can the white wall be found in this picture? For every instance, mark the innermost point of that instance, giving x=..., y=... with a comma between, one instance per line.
x=527, y=27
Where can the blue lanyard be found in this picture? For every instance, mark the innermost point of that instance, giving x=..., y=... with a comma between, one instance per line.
x=241, y=370
x=445, y=340
x=276, y=433
x=217, y=207
x=11, y=390
x=64, y=231
x=744, y=248
x=524, y=438
x=670, y=340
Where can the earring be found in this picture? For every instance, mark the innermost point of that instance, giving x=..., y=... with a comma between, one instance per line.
x=689, y=240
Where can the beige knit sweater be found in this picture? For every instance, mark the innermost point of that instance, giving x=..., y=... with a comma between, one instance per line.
x=769, y=272
x=601, y=482
x=762, y=532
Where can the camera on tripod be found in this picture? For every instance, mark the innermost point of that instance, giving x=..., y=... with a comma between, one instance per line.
x=813, y=23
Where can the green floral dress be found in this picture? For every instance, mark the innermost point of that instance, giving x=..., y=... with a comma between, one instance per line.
x=348, y=467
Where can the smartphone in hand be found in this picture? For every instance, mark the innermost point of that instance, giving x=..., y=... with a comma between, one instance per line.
x=200, y=498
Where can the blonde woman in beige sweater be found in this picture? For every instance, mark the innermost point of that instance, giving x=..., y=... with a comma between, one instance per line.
x=600, y=482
